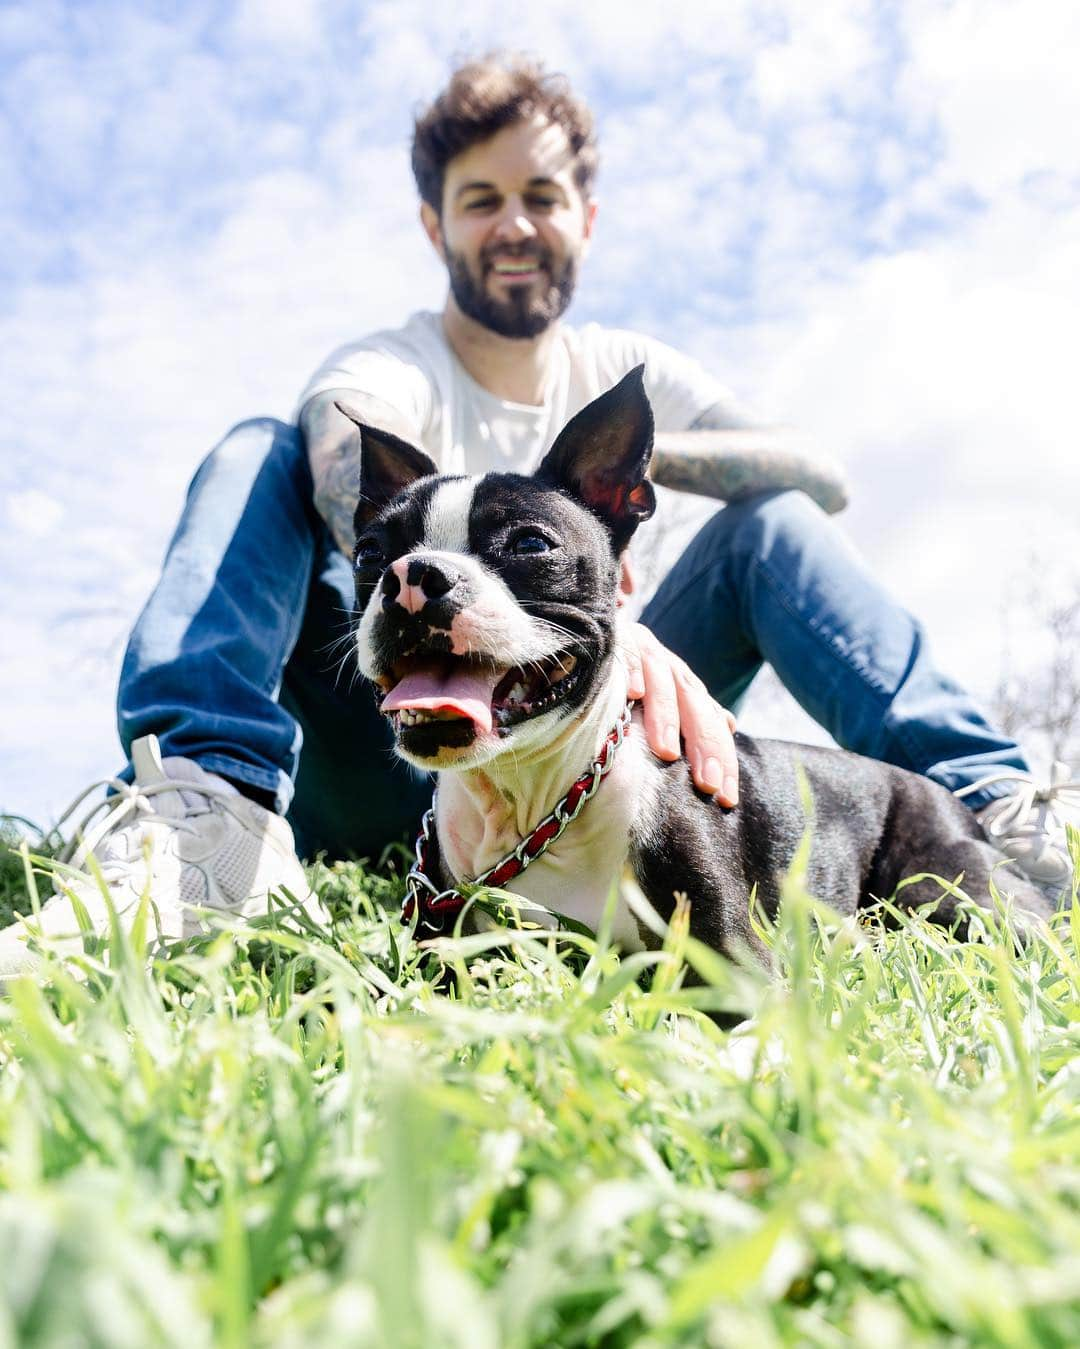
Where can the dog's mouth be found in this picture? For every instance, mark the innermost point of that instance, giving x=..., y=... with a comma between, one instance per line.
x=467, y=696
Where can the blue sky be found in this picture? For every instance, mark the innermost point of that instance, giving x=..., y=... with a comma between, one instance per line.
x=865, y=217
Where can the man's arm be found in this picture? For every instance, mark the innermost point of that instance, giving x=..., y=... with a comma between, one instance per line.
x=717, y=461
x=333, y=448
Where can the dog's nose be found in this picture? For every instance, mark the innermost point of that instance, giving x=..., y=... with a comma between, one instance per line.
x=412, y=581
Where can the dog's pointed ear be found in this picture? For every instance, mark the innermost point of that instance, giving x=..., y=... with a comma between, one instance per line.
x=387, y=464
x=601, y=457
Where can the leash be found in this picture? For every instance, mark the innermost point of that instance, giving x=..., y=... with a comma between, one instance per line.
x=437, y=909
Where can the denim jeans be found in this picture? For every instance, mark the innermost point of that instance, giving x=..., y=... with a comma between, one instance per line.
x=242, y=654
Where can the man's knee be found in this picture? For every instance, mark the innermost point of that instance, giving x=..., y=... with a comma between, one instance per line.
x=788, y=513
x=766, y=522
x=251, y=449
x=256, y=440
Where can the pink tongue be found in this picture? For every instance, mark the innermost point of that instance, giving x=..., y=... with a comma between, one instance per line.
x=465, y=692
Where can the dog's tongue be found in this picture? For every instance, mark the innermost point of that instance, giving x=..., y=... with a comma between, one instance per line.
x=466, y=692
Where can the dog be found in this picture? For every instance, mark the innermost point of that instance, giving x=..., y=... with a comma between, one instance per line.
x=487, y=617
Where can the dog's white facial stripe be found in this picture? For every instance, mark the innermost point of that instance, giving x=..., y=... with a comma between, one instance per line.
x=446, y=522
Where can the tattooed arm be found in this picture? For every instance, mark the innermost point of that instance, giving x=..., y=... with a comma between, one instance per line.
x=333, y=447
x=718, y=461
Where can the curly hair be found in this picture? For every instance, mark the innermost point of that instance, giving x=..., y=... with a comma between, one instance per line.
x=484, y=96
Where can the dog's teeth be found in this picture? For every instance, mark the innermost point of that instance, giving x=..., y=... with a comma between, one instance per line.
x=517, y=692
x=414, y=716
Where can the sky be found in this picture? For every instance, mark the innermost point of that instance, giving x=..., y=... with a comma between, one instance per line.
x=864, y=217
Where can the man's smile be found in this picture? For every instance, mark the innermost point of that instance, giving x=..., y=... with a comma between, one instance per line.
x=515, y=268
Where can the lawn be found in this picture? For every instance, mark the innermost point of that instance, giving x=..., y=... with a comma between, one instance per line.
x=274, y=1136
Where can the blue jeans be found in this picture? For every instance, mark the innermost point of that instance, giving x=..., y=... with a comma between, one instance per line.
x=242, y=653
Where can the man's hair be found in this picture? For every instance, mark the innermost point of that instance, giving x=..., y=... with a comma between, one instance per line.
x=484, y=96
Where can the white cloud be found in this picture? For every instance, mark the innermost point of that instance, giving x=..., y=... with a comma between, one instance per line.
x=33, y=514
x=1000, y=79
x=278, y=23
x=826, y=51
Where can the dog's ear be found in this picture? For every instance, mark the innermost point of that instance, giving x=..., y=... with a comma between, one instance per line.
x=601, y=456
x=387, y=464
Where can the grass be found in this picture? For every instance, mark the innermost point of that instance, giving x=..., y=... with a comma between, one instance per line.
x=267, y=1137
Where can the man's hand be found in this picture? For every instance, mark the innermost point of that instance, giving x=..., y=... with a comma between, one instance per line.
x=674, y=701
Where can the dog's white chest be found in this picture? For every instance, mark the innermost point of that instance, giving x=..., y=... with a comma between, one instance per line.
x=579, y=871
x=577, y=883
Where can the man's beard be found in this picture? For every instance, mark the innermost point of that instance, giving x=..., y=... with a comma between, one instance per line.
x=525, y=312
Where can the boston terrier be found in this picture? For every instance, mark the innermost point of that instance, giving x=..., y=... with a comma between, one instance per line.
x=487, y=616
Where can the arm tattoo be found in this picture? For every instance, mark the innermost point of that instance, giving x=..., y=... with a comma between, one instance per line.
x=729, y=463
x=333, y=448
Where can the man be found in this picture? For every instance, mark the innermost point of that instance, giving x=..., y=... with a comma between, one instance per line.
x=241, y=665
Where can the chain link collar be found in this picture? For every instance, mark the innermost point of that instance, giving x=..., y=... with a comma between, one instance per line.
x=438, y=909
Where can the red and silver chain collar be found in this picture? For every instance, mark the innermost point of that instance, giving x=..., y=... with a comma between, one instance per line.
x=439, y=908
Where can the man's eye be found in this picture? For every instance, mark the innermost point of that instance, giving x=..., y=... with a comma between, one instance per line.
x=481, y=204
x=368, y=554
x=542, y=203
x=528, y=541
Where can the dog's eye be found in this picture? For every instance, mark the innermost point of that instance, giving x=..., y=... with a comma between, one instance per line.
x=525, y=541
x=368, y=554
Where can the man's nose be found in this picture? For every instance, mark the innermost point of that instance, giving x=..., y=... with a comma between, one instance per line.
x=514, y=224
x=412, y=581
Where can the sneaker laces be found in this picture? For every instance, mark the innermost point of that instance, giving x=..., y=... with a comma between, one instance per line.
x=1024, y=801
x=154, y=797
x=132, y=802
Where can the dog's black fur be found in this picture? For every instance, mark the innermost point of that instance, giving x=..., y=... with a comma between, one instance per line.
x=873, y=824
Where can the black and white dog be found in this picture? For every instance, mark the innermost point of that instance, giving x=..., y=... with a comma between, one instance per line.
x=487, y=617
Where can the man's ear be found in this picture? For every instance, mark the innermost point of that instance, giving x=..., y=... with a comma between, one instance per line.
x=387, y=464
x=601, y=457
x=591, y=207
x=429, y=219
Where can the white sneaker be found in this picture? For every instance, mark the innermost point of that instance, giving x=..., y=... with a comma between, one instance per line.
x=190, y=836
x=1028, y=824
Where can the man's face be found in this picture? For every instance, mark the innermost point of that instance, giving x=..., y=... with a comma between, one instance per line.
x=513, y=228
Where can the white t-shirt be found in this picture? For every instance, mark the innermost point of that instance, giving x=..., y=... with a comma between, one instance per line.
x=466, y=429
